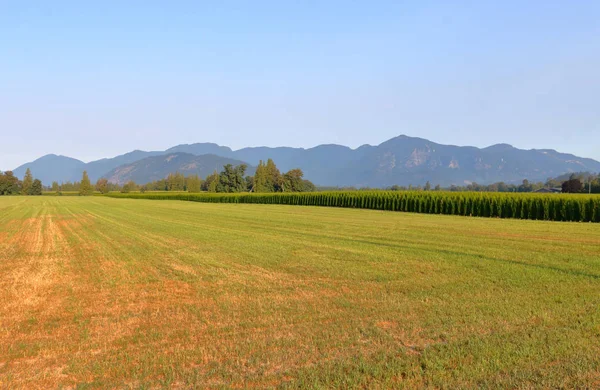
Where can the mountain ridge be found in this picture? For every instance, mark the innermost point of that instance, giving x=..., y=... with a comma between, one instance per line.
x=158, y=167
x=401, y=160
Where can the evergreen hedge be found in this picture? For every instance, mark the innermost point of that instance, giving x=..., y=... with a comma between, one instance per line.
x=547, y=207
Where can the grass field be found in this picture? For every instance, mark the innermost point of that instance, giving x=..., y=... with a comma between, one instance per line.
x=105, y=293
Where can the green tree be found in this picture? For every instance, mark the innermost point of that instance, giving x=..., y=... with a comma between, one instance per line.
x=293, y=181
x=572, y=186
x=308, y=186
x=129, y=186
x=175, y=182
x=9, y=184
x=231, y=179
x=249, y=183
x=85, y=188
x=427, y=186
x=193, y=183
x=274, y=178
x=211, y=183
x=267, y=178
x=55, y=186
x=260, y=179
x=525, y=187
x=27, y=182
x=36, y=187
x=102, y=186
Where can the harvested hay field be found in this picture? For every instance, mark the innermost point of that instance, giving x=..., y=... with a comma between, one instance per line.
x=103, y=293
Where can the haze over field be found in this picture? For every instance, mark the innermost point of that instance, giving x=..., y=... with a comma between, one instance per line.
x=92, y=80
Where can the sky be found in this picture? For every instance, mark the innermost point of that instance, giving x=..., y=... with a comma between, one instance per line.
x=97, y=79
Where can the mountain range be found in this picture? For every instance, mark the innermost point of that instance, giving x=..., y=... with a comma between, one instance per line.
x=401, y=160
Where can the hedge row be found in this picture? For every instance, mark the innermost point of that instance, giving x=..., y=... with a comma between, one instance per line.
x=548, y=207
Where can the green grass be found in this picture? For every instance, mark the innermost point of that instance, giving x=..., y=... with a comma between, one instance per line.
x=106, y=293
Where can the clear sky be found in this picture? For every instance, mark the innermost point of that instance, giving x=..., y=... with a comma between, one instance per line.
x=93, y=79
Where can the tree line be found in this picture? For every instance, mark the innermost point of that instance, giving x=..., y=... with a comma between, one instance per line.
x=548, y=207
x=268, y=179
x=582, y=182
x=11, y=185
x=232, y=179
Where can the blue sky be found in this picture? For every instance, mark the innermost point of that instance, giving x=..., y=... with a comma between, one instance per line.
x=97, y=79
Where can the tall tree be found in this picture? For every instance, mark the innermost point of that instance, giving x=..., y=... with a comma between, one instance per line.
x=232, y=179
x=274, y=179
x=9, y=184
x=176, y=182
x=36, y=187
x=193, y=183
x=85, y=188
x=260, y=179
x=267, y=178
x=55, y=187
x=292, y=181
x=211, y=183
x=27, y=182
x=249, y=183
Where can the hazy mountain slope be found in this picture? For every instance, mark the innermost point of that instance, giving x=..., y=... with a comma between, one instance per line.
x=97, y=169
x=201, y=148
x=407, y=160
x=401, y=160
x=51, y=167
x=159, y=167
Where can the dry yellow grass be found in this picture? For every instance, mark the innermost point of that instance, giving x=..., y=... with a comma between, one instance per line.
x=125, y=293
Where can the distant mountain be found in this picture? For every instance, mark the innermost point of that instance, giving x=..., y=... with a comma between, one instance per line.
x=401, y=160
x=97, y=169
x=406, y=160
x=51, y=166
x=158, y=167
x=202, y=148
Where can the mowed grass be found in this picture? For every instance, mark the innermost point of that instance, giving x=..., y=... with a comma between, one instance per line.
x=109, y=293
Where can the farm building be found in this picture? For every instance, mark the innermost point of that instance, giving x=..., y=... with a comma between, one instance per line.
x=555, y=190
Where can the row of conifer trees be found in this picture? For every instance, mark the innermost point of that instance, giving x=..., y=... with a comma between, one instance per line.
x=548, y=207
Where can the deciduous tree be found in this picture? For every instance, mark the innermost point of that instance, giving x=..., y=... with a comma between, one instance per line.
x=572, y=186
x=292, y=181
x=193, y=183
x=231, y=179
x=102, y=186
x=9, y=184
x=129, y=186
x=211, y=182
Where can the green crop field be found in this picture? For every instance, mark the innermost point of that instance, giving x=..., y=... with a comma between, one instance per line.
x=99, y=292
x=542, y=207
